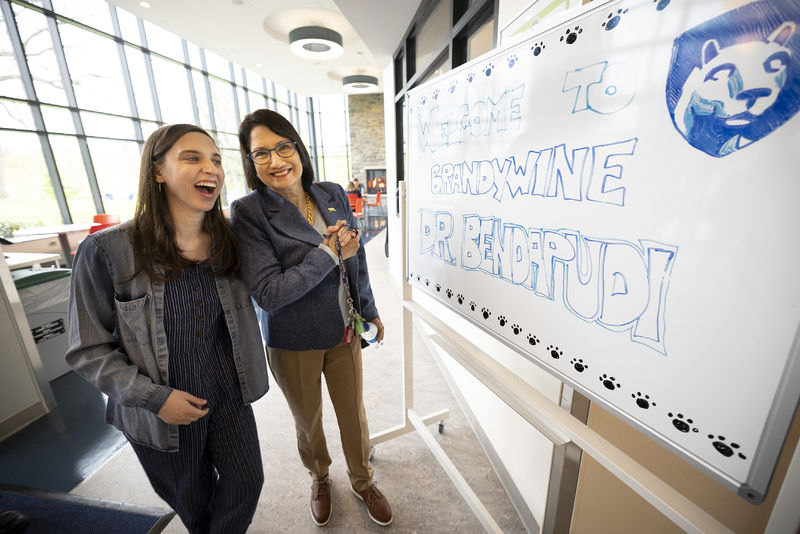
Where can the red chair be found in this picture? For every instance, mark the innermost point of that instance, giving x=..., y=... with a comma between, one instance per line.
x=352, y=197
x=358, y=209
x=104, y=220
x=377, y=202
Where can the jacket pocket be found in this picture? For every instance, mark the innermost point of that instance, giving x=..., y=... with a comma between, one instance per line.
x=133, y=316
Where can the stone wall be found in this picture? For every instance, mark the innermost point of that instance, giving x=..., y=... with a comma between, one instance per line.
x=367, y=148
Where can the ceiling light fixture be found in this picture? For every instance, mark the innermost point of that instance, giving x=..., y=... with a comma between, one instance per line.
x=360, y=83
x=315, y=42
x=145, y=5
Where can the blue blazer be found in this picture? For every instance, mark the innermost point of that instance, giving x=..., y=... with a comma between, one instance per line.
x=291, y=278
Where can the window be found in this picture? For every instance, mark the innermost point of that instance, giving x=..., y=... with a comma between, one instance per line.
x=93, y=13
x=95, y=89
x=105, y=109
x=432, y=33
x=73, y=176
x=481, y=41
x=116, y=165
x=173, y=91
x=40, y=55
x=26, y=194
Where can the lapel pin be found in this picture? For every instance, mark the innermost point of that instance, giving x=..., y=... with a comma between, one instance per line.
x=331, y=209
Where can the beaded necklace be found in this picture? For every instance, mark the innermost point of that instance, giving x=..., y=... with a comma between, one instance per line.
x=309, y=211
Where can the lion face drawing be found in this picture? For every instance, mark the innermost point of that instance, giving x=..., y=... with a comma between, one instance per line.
x=733, y=92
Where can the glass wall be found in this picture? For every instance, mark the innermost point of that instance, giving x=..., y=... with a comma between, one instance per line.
x=332, y=138
x=71, y=133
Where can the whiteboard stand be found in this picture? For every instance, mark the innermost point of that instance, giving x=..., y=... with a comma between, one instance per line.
x=549, y=418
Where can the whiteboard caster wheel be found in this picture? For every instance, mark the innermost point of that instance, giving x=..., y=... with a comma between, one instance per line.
x=441, y=427
x=371, y=452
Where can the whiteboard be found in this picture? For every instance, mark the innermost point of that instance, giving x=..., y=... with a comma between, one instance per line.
x=616, y=198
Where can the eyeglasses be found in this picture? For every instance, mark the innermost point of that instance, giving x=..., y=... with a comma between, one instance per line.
x=263, y=155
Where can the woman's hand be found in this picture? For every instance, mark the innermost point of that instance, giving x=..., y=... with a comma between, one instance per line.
x=348, y=239
x=182, y=408
x=377, y=322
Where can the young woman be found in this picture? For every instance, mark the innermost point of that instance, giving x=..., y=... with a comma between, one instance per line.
x=159, y=322
x=289, y=228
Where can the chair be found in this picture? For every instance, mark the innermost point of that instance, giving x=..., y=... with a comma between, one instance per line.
x=358, y=209
x=352, y=197
x=377, y=202
x=104, y=220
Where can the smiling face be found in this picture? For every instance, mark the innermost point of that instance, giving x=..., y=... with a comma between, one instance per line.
x=281, y=175
x=191, y=171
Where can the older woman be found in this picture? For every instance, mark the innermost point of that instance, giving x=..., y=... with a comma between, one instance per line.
x=303, y=264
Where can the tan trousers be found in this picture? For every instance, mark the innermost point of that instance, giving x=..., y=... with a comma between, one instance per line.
x=299, y=375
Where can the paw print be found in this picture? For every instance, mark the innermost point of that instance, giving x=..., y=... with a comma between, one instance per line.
x=470, y=77
x=725, y=449
x=538, y=48
x=452, y=87
x=661, y=4
x=572, y=35
x=472, y=305
x=642, y=401
x=423, y=100
x=554, y=352
x=427, y=282
x=460, y=298
x=486, y=313
x=487, y=70
x=684, y=425
x=533, y=340
x=578, y=364
x=436, y=94
x=438, y=288
x=613, y=20
x=512, y=60
x=515, y=327
x=449, y=293
x=501, y=319
x=609, y=382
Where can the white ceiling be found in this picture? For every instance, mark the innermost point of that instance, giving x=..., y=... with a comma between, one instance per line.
x=256, y=32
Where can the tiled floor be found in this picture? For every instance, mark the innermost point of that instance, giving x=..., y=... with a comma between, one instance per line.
x=57, y=451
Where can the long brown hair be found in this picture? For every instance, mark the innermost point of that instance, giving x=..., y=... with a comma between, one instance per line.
x=153, y=227
x=280, y=126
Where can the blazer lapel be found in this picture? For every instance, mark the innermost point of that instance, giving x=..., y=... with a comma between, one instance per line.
x=284, y=217
x=327, y=205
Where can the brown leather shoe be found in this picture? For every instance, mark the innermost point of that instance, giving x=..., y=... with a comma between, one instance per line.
x=321, y=501
x=377, y=506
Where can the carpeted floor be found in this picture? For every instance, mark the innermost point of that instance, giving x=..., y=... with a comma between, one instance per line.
x=422, y=497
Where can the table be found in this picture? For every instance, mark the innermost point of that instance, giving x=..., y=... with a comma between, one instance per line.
x=20, y=260
x=63, y=231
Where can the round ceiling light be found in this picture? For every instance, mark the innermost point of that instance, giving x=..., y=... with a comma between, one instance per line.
x=360, y=83
x=315, y=42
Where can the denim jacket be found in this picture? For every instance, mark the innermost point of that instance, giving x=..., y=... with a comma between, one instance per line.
x=293, y=279
x=117, y=340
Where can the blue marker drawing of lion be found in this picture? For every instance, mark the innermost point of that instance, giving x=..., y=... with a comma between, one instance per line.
x=734, y=80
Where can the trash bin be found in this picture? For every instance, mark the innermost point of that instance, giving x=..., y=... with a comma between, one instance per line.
x=44, y=294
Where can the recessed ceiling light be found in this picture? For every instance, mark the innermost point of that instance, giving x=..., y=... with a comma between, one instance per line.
x=359, y=83
x=315, y=42
x=145, y=5
x=259, y=65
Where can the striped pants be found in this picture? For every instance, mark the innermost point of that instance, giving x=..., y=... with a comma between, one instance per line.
x=214, y=480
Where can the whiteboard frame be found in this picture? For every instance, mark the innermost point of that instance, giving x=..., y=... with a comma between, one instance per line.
x=786, y=401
